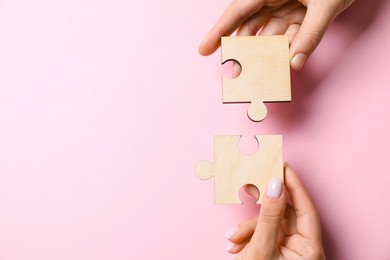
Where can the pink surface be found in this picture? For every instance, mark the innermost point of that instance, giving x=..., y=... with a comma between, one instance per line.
x=105, y=108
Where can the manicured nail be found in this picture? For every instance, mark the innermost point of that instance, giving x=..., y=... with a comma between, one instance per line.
x=274, y=188
x=231, y=233
x=229, y=246
x=298, y=61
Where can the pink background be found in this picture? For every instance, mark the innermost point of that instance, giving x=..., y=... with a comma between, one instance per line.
x=106, y=106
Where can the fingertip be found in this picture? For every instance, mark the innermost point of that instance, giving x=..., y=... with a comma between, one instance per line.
x=231, y=233
x=286, y=166
x=310, y=33
x=209, y=45
x=288, y=170
x=202, y=50
x=298, y=194
x=205, y=50
x=298, y=61
x=289, y=175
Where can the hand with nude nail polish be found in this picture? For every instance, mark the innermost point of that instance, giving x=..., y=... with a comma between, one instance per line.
x=303, y=21
x=281, y=231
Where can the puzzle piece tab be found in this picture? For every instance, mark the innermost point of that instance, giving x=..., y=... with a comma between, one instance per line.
x=265, y=72
x=232, y=169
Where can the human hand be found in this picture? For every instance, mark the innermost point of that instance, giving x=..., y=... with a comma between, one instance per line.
x=282, y=231
x=303, y=21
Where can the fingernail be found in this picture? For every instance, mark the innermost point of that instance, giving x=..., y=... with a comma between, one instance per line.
x=229, y=246
x=231, y=233
x=298, y=61
x=274, y=188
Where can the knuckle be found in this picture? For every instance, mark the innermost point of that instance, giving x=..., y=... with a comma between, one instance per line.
x=251, y=252
x=243, y=224
x=316, y=253
x=271, y=215
x=220, y=30
x=246, y=223
x=313, y=38
x=247, y=226
x=256, y=252
x=339, y=5
x=246, y=254
x=240, y=9
x=312, y=249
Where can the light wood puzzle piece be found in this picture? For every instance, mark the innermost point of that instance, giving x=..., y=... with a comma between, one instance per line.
x=265, y=72
x=232, y=169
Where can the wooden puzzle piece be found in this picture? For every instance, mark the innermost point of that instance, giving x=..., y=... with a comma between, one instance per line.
x=265, y=72
x=232, y=169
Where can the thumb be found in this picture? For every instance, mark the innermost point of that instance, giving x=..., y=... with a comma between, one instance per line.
x=270, y=219
x=317, y=19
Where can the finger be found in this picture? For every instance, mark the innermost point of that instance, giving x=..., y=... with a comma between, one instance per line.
x=280, y=19
x=275, y=26
x=292, y=31
x=242, y=232
x=318, y=17
x=254, y=23
x=236, y=248
x=292, y=11
x=266, y=234
x=289, y=223
x=307, y=219
x=235, y=14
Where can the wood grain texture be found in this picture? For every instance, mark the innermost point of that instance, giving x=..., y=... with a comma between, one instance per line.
x=232, y=169
x=265, y=72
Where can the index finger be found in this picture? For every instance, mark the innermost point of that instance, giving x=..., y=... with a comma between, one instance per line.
x=235, y=14
x=308, y=221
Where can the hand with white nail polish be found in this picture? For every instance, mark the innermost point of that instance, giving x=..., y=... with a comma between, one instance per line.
x=282, y=231
x=303, y=21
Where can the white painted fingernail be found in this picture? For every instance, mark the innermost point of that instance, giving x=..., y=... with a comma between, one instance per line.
x=229, y=246
x=298, y=61
x=231, y=233
x=274, y=188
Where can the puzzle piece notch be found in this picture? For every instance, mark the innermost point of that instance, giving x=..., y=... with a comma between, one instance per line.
x=234, y=70
x=232, y=169
x=265, y=72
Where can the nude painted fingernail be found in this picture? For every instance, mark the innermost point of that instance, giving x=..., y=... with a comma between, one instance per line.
x=274, y=188
x=231, y=233
x=298, y=61
x=229, y=246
